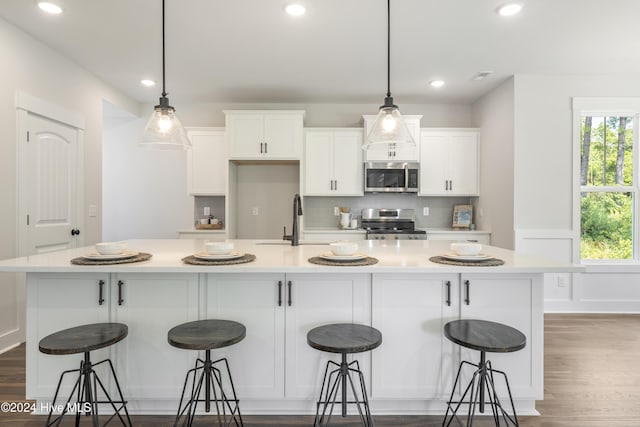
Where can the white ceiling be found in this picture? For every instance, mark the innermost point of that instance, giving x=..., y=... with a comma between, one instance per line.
x=251, y=51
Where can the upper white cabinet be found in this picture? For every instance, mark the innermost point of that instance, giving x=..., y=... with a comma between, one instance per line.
x=394, y=152
x=267, y=135
x=449, y=162
x=333, y=162
x=207, y=162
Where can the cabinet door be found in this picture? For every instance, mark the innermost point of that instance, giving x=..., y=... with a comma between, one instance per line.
x=245, y=133
x=318, y=163
x=283, y=136
x=482, y=238
x=516, y=301
x=463, y=164
x=152, y=304
x=257, y=362
x=59, y=301
x=319, y=299
x=347, y=163
x=415, y=359
x=207, y=162
x=434, y=164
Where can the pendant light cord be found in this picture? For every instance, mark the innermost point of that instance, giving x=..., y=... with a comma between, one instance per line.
x=164, y=92
x=388, y=48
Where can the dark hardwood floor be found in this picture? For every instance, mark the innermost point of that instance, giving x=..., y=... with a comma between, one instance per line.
x=592, y=379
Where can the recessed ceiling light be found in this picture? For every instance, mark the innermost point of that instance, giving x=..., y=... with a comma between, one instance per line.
x=147, y=82
x=510, y=9
x=436, y=83
x=50, y=7
x=295, y=9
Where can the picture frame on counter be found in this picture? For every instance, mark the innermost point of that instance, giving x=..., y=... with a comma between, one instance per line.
x=462, y=216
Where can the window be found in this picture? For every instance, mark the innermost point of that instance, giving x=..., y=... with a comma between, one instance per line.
x=608, y=185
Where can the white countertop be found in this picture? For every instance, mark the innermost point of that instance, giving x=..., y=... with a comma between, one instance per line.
x=404, y=256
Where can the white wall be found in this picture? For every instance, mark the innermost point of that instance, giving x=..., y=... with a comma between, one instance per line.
x=31, y=67
x=493, y=114
x=543, y=191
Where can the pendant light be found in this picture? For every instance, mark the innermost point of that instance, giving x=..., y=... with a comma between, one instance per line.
x=389, y=127
x=164, y=130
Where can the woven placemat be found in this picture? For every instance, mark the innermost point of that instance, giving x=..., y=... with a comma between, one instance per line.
x=142, y=256
x=356, y=263
x=491, y=262
x=197, y=261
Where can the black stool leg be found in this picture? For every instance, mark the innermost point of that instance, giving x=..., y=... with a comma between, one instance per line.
x=211, y=379
x=329, y=393
x=480, y=387
x=87, y=395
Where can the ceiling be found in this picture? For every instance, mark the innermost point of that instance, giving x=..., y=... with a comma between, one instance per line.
x=251, y=51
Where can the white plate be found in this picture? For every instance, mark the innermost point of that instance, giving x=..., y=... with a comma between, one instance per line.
x=123, y=255
x=331, y=257
x=456, y=257
x=207, y=256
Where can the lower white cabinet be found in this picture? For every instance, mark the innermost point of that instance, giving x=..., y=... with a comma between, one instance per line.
x=480, y=237
x=60, y=301
x=517, y=301
x=274, y=360
x=415, y=360
x=150, y=305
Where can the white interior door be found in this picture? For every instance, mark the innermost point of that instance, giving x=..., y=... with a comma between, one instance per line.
x=49, y=185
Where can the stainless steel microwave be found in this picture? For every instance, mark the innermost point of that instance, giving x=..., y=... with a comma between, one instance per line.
x=391, y=177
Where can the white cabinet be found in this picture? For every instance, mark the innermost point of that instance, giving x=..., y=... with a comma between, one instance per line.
x=394, y=152
x=315, y=300
x=207, y=162
x=333, y=162
x=332, y=236
x=278, y=311
x=56, y=302
x=414, y=362
x=476, y=236
x=150, y=305
x=266, y=135
x=449, y=162
x=517, y=301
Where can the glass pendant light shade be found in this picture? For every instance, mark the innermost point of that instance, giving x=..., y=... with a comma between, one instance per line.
x=164, y=130
x=389, y=127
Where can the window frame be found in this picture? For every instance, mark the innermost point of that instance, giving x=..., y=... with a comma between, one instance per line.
x=629, y=107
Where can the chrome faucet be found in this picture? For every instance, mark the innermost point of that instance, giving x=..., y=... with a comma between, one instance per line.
x=297, y=211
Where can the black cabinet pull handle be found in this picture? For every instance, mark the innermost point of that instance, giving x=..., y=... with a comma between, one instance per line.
x=289, y=299
x=100, y=294
x=74, y=232
x=261, y=147
x=120, y=300
x=335, y=187
x=448, y=285
x=279, y=293
x=446, y=185
x=451, y=185
x=266, y=148
x=467, y=298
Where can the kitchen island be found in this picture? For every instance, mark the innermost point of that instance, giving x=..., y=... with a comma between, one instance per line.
x=279, y=297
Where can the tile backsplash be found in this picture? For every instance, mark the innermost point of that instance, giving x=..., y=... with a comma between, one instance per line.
x=318, y=211
x=216, y=203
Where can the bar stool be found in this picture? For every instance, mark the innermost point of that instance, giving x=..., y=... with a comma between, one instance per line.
x=84, y=339
x=483, y=336
x=343, y=338
x=207, y=335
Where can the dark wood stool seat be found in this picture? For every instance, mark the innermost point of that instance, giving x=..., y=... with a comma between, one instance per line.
x=84, y=339
x=485, y=337
x=208, y=334
x=81, y=339
x=343, y=338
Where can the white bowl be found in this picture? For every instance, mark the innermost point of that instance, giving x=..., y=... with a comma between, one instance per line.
x=343, y=248
x=111, y=248
x=218, y=248
x=466, y=248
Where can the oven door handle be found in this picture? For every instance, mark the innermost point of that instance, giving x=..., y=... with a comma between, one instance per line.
x=406, y=177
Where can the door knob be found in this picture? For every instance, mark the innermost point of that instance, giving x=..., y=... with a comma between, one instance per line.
x=75, y=232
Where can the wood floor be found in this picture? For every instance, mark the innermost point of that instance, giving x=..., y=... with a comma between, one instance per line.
x=592, y=379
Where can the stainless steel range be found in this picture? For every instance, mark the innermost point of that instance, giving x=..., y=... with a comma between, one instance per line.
x=391, y=224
